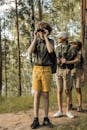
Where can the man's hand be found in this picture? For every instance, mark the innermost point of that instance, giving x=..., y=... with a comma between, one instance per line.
x=46, y=33
x=35, y=34
x=63, y=60
x=58, y=61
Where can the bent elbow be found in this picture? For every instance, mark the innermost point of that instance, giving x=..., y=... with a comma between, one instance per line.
x=30, y=51
x=51, y=50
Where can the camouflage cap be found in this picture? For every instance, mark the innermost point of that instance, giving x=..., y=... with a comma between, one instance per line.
x=62, y=35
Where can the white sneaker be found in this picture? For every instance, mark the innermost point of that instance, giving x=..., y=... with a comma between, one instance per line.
x=70, y=115
x=58, y=114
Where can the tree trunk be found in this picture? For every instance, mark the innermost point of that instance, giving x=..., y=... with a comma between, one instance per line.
x=5, y=59
x=32, y=18
x=40, y=10
x=0, y=61
x=84, y=31
x=5, y=70
x=31, y=2
x=19, y=58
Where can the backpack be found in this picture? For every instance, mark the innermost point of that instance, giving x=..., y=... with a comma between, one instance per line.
x=53, y=59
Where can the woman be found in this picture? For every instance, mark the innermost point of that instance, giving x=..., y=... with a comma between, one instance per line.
x=78, y=75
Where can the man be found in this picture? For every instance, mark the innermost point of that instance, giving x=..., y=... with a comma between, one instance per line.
x=63, y=76
x=42, y=47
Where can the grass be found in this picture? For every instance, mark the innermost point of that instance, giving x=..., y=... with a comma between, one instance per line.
x=15, y=104
x=23, y=103
x=53, y=97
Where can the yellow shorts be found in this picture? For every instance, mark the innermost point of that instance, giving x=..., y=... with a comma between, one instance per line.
x=41, y=79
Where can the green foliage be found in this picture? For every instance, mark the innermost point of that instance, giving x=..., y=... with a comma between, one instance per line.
x=53, y=97
x=15, y=104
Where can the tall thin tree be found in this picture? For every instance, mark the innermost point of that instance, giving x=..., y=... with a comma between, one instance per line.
x=84, y=31
x=32, y=23
x=40, y=10
x=5, y=58
x=19, y=58
x=0, y=61
x=32, y=18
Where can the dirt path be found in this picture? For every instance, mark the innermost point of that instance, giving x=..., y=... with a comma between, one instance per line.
x=22, y=121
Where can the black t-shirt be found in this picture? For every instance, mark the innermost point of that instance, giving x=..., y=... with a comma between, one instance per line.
x=42, y=56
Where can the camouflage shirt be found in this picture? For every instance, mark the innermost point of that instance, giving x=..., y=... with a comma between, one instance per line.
x=66, y=51
x=81, y=61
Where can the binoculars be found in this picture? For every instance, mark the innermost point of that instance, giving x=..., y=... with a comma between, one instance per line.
x=40, y=30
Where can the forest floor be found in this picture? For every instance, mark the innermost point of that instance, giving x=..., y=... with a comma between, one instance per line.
x=22, y=120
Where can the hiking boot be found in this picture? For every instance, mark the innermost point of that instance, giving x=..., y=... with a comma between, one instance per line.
x=70, y=115
x=58, y=114
x=46, y=122
x=79, y=109
x=35, y=123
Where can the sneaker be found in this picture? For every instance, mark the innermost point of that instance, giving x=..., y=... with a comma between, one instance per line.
x=79, y=109
x=58, y=114
x=35, y=123
x=70, y=115
x=46, y=122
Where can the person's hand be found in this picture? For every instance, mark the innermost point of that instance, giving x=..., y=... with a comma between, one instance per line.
x=63, y=60
x=35, y=34
x=58, y=61
x=46, y=32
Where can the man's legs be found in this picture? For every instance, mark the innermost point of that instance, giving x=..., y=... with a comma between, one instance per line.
x=46, y=102
x=71, y=105
x=68, y=112
x=73, y=82
x=59, y=98
x=79, y=94
x=68, y=97
x=46, y=121
x=37, y=95
x=67, y=87
x=35, y=123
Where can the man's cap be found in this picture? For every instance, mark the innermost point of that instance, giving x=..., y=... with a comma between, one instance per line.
x=63, y=35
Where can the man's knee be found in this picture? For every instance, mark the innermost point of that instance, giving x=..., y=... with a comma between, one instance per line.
x=67, y=91
x=45, y=95
x=37, y=94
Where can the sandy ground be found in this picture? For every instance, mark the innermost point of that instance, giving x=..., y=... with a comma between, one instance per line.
x=22, y=120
